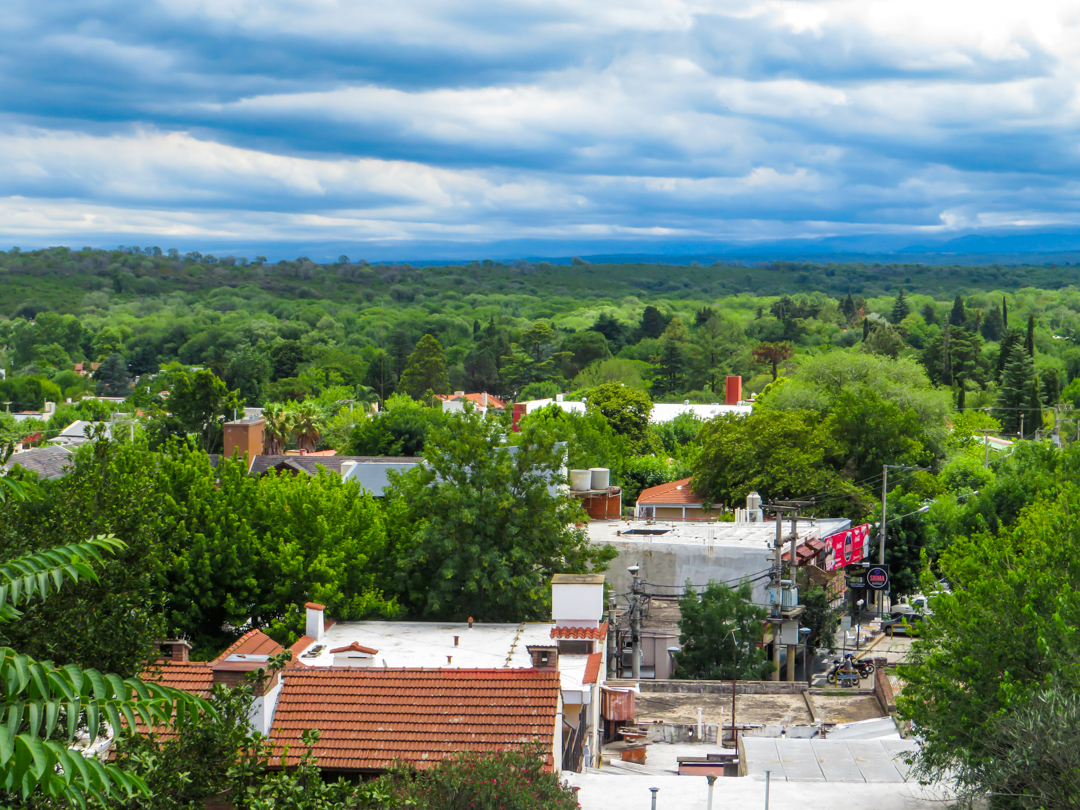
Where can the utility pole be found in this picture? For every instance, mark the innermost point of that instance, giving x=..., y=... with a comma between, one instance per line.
x=884, y=503
x=612, y=645
x=986, y=448
x=1021, y=424
x=780, y=587
x=635, y=621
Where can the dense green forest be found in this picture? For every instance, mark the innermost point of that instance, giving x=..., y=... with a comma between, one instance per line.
x=290, y=330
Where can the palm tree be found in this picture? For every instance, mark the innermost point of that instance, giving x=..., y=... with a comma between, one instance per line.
x=307, y=425
x=279, y=428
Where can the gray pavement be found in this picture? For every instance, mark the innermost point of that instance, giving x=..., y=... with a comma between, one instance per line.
x=878, y=761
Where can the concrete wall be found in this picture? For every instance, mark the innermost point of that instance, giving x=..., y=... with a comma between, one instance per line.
x=672, y=564
x=883, y=690
x=713, y=687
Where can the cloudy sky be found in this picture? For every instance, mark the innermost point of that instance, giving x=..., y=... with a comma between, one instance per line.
x=415, y=125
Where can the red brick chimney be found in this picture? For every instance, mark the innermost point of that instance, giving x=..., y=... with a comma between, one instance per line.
x=179, y=650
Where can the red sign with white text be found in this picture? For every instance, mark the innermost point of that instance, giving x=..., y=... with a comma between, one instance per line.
x=847, y=546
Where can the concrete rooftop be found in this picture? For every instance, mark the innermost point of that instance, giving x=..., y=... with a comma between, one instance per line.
x=431, y=644
x=746, y=535
x=603, y=791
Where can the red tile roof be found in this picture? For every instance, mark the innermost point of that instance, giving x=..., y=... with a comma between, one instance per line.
x=254, y=642
x=368, y=718
x=676, y=492
x=598, y=633
x=475, y=399
x=195, y=677
x=592, y=668
x=354, y=647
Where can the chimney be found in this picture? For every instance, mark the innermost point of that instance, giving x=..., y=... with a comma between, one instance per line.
x=244, y=438
x=179, y=649
x=470, y=622
x=520, y=410
x=546, y=658
x=303, y=452
x=483, y=400
x=459, y=393
x=456, y=639
x=577, y=600
x=314, y=626
x=733, y=392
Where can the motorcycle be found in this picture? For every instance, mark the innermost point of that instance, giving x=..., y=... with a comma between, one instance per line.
x=849, y=662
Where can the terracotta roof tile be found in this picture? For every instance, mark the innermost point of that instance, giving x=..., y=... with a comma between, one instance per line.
x=354, y=647
x=254, y=642
x=368, y=718
x=195, y=677
x=598, y=633
x=592, y=668
x=676, y=492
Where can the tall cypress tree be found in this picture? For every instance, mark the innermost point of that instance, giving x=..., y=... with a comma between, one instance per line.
x=1029, y=343
x=900, y=308
x=1009, y=343
x=847, y=306
x=958, y=316
x=1015, y=393
x=993, y=327
x=1005, y=311
x=1033, y=415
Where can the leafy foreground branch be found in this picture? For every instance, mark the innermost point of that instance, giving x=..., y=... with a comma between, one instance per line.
x=54, y=717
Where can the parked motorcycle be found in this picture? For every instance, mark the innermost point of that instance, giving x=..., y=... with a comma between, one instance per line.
x=849, y=662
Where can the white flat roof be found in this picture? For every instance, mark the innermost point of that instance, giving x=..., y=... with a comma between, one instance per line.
x=707, y=533
x=661, y=412
x=428, y=644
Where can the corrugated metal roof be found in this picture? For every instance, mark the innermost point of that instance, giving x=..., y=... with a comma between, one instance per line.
x=368, y=718
x=48, y=462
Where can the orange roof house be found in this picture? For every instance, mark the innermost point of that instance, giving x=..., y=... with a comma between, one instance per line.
x=672, y=501
x=370, y=718
x=482, y=401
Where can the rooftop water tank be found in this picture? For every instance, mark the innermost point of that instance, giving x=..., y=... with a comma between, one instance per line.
x=580, y=480
x=601, y=477
x=753, y=502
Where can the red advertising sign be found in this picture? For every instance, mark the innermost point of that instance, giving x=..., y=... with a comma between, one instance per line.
x=847, y=546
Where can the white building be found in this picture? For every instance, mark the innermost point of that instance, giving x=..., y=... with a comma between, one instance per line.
x=574, y=640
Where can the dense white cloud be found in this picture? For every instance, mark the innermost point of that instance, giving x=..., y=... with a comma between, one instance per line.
x=433, y=121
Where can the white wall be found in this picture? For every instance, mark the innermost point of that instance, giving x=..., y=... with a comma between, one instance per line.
x=577, y=605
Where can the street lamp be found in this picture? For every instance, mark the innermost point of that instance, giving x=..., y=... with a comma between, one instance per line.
x=858, y=625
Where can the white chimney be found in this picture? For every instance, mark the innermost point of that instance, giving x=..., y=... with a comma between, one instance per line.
x=577, y=600
x=315, y=626
x=346, y=468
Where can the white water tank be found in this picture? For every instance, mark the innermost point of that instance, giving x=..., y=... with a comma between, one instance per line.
x=601, y=477
x=580, y=480
x=753, y=502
